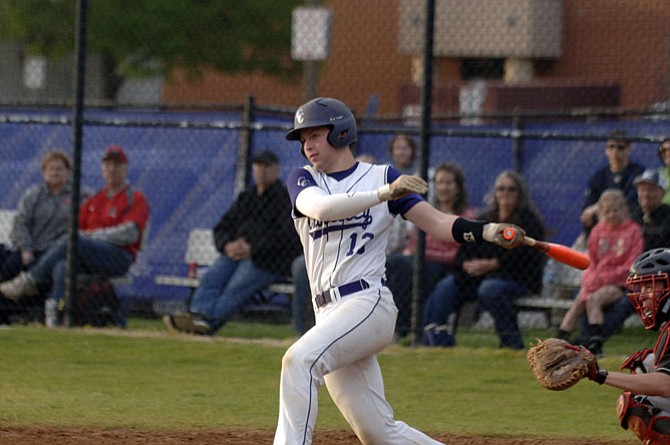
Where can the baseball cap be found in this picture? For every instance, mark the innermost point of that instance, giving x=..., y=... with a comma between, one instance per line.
x=115, y=153
x=651, y=177
x=265, y=157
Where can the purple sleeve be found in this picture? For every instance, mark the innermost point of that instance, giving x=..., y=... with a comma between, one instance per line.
x=297, y=181
x=402, y=205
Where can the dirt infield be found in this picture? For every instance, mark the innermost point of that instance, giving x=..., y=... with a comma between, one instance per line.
x=75, y=436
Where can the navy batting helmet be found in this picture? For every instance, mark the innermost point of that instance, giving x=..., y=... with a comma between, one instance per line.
x=326, y=112
x=649, y=287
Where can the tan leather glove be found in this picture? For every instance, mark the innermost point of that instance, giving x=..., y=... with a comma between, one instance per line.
x=403, y=186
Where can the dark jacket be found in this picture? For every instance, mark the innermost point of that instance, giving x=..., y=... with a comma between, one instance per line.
x=266, y=224
x=604, y=179
x=523, y=264
x=655, y=227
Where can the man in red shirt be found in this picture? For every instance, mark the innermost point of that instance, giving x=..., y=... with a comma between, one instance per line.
x=111, y=225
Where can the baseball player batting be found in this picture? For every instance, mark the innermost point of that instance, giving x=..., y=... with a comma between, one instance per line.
x=342, y=211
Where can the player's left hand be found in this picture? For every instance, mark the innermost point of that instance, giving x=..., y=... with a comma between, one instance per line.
x=493, y=233
x=403, y=186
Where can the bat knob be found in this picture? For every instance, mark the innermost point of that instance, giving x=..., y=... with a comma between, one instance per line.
x=508, y=234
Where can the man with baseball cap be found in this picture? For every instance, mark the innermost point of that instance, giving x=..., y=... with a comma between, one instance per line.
x=111, y=225
x=115, y=153
x=652, y=214
x=257, y=243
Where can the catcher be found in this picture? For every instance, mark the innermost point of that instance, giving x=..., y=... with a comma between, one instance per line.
x=644, y=406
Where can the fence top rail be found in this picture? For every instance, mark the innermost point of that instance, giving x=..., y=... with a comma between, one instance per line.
x=257, y=125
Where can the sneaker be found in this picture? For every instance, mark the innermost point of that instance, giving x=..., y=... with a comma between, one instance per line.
x=19, y=286
x=201, y=326
x=562, y=335
x=179, y=323
x=188, y=324
x=169, y=323
x=595, y=345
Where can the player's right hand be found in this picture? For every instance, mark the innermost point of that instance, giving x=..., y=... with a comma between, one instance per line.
x=493, y=233
x=403, y=186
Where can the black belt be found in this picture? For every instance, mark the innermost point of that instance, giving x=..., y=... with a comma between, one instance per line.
x=326, y=296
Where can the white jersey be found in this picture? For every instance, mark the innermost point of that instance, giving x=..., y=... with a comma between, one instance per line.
x=345, y=250
x=341, y=251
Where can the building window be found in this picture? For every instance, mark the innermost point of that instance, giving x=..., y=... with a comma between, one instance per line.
x=482, y=69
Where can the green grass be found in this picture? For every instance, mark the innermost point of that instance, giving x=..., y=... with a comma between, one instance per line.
x=145, y=378
x=232, y=329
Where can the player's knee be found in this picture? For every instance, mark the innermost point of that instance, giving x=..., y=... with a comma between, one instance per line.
x=488, y=293
x=289, y=359
x=293, y=357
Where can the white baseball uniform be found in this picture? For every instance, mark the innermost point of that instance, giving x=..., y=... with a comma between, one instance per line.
x=355, y=314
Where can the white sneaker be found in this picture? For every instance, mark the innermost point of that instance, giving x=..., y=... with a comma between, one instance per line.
x=19, y=286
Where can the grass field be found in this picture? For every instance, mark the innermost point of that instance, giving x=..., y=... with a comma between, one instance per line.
x=146, y=378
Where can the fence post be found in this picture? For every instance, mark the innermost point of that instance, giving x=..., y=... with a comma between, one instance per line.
x=426, y=105
x=77, y=130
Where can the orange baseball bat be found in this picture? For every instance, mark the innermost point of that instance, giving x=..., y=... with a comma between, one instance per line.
x=560, y=253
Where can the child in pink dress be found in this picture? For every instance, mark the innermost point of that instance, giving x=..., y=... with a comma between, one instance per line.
x=613, y=245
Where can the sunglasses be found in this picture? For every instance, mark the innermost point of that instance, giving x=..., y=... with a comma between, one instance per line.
x=663, y=149
x=617, y=146
x=504, y=188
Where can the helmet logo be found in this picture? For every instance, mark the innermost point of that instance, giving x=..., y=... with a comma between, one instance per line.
x=300, y=116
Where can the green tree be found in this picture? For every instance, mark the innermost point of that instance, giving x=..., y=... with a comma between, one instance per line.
x=143, y=37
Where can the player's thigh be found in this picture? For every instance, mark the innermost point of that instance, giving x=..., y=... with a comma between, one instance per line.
x=350, y=331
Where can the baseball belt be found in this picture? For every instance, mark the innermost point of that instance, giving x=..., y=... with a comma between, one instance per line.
x=328, y=295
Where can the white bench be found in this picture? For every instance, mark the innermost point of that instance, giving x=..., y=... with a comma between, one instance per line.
x=561, y=298
x=6, y=223
x=552, y=308
x=555, y=307
x=201, y=253
x=533, y=310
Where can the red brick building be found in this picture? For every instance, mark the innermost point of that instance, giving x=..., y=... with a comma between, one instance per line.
x=605, y=52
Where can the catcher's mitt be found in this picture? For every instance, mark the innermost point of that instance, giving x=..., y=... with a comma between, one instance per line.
x=558, y=365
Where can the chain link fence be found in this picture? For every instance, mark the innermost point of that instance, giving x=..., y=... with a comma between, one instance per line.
x=531, y=87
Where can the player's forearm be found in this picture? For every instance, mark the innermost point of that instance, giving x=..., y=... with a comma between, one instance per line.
x=462, y=230
x=652, y=384
x=317, y=204
x=444, y=226
x=431, y=221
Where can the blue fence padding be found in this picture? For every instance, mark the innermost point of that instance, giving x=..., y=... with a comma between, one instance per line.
x=558, y=171
x=188, y=175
